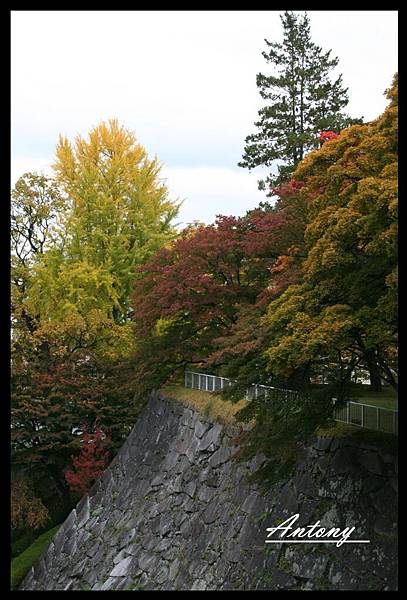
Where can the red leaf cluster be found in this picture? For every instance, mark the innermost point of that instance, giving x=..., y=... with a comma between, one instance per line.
x=288, y=189
x=204, y=276
x=90, y=464
x=326, y=136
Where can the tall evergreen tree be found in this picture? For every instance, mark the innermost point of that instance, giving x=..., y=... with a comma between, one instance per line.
x=302, y=100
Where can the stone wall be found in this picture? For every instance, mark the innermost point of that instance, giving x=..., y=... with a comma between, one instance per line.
x=174, y=511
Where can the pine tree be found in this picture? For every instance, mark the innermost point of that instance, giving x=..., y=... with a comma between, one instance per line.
x=303, y=100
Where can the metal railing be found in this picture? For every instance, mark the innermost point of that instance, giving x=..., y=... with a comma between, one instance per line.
x=214, y=383
x=354, y=413
x=206, y=383
x=368, y=416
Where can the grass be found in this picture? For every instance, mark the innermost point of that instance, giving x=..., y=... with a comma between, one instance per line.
x=22, y=563
x=387, y=398
x=381, y=402
x=211, y=405
x=20, y=544
x=362, y=393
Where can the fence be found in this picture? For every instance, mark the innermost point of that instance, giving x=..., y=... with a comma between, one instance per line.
x=355, y=413
x=366, y=415
x=206, y=383
x=213, y=383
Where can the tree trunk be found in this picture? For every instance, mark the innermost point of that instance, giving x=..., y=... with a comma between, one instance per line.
x=60, y=485
x=389, y=377
x=374, y=371
x=302, y=376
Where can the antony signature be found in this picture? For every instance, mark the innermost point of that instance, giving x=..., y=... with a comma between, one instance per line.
x=311, y=534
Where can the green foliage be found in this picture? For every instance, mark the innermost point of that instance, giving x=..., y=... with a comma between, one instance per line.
x=36, y=202
x=108, y=302
x=302, y=101
x=22, y=563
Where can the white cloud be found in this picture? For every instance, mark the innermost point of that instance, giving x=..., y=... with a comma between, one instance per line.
x=174, y=72
x=183, y=81
x=164, y=73
x=205, y=191
x=366, y=43
x=209, y=191
x=26, y=164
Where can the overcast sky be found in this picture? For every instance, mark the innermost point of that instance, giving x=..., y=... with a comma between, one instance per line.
x=183, y=81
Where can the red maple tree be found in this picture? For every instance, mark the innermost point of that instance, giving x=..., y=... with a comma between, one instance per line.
x=90, y=464
x=193, y=292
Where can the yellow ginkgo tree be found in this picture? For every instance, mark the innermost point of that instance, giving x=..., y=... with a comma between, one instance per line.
x=118, y=213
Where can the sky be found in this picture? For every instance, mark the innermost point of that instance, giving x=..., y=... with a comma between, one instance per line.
x=183, y=81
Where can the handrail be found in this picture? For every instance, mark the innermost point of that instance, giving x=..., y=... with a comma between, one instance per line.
x=373, y=406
